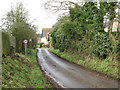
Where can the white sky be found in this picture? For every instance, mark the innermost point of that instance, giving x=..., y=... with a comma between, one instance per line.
x=43, y=18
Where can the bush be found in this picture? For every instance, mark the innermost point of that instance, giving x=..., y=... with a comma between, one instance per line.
x=118, y=51
x=101, y=45
x=42, y=44
x=80, y=32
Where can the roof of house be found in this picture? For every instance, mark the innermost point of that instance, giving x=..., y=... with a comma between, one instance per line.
x=45, y=31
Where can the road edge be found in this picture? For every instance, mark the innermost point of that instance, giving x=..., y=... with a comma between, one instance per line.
x=94, y=71
x=48, y=78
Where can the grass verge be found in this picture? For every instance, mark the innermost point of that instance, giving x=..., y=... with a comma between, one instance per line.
x=21, y=72
x=107, y=67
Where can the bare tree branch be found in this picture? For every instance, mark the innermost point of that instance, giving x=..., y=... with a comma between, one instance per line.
x=56, y=5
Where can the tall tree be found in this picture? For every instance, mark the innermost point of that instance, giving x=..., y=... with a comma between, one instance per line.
x=18, y=25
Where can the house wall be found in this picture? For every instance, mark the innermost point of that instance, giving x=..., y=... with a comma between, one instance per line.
x=115, y=26
x=44, y=35
x=45, y=31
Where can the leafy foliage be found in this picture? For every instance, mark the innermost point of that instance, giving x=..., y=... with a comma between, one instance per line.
x=16, y=23
x=82, y=31
x=101, y=45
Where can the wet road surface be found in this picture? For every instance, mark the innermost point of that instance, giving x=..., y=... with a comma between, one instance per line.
x=69, y=75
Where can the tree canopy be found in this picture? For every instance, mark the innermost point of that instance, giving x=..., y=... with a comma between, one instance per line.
x=17, y=24
x=82, y=30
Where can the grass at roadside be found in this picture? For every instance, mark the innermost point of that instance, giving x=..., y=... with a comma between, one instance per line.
x=36, y=74
x=21, y=72
x=38, y=46
x=107, y=67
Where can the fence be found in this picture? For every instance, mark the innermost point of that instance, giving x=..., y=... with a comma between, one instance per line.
x=0, y=59
x=12, y=42
x=0, y=45
x=7, y=43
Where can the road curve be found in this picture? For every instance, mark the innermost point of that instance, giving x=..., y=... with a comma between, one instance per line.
x=69, y=75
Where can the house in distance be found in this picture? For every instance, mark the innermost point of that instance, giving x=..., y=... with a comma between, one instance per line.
x=45, y=35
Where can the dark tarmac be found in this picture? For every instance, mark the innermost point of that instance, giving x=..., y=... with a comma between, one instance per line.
x=68, y=75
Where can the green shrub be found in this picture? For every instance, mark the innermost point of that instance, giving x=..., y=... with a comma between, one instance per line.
x=42, y=44
x=118, y=51
x=101, y=45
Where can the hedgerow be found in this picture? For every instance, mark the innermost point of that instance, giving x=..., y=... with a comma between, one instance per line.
x=82, y=31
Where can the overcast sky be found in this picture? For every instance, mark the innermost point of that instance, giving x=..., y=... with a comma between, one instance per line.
x=43, y=18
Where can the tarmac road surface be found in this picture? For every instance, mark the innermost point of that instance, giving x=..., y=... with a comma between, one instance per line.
x=69, y=75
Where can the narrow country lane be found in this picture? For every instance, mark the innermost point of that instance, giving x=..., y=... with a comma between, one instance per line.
x=69, y=75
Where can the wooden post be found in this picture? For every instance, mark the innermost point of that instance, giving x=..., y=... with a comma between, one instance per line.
x=0, y=46
x=0, y=58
